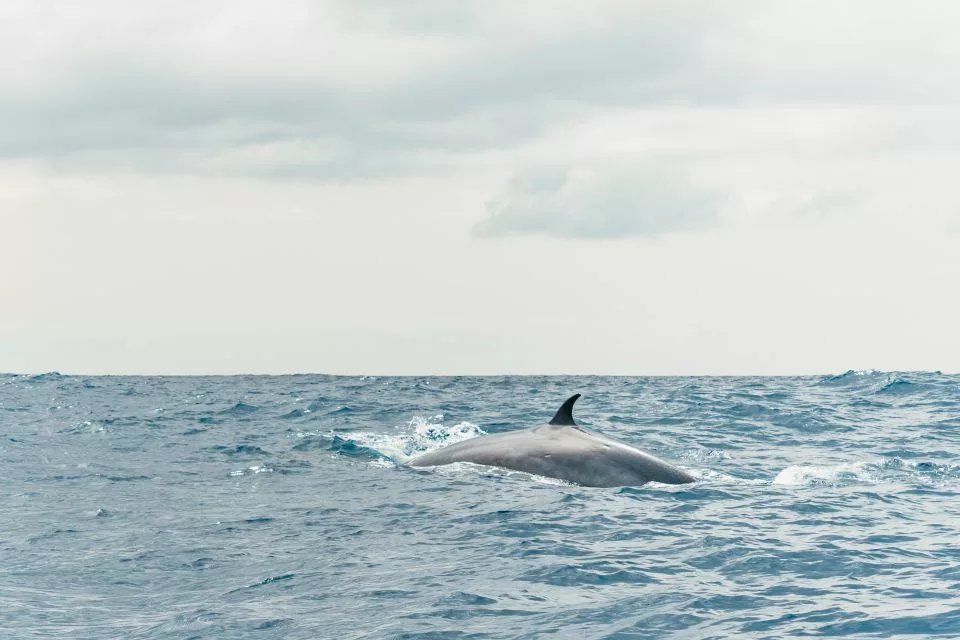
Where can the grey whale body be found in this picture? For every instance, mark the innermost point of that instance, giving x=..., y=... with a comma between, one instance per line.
x=561, y=449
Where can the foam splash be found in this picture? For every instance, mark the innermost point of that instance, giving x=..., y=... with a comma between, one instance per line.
x=869, y=472
x=251, y=471
x=800, y=474
x=421, y=435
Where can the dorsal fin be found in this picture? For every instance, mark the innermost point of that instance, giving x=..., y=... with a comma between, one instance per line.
x=565, y=412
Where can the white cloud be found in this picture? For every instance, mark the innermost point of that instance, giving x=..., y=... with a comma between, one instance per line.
x=706, y=187
x=361, y=90
x=647, y=198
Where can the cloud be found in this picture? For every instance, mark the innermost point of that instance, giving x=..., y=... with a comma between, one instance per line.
x=328, y=90
x=308, y=173
x=359, y=90
x=607, y=200
x=366, y=90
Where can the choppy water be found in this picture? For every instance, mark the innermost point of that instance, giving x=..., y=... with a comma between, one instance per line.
x=279, y=507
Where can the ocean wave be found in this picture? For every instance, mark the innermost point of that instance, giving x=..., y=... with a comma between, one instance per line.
x=818, y=509
x=239, y=409
x=851, y=376
x=46, y=377
x=898, y=385
x=885, y=383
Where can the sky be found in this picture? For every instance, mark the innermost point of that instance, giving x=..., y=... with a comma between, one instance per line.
x=479, y=187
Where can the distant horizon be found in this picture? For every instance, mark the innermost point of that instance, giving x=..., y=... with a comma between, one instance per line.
x=487, y=375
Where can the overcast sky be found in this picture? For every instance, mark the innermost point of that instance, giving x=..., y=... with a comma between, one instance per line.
x=461, y=187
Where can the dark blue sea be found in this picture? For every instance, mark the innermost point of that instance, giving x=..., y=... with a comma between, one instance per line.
x=281, y=507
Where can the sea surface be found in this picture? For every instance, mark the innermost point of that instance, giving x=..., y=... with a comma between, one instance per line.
x=281, y=507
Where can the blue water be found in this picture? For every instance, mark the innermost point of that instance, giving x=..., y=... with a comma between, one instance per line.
x=279, y=507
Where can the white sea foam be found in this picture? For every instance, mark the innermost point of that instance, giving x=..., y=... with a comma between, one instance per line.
x=815, y=474
x=419, y=436
x=868, y=472
x=251, y=471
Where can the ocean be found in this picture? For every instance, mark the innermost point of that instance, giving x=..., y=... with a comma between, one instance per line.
x=281, y=507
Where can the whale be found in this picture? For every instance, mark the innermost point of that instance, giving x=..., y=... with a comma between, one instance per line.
x=563, y=450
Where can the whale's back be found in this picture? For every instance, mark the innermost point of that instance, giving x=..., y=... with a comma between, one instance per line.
x=565, y=452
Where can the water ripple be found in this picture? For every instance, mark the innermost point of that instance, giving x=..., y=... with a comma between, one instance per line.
x=281, y=507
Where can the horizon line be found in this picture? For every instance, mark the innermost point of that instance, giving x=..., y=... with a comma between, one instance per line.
x=473, y=375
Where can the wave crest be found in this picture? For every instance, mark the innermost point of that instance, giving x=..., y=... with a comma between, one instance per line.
x=869, y=472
